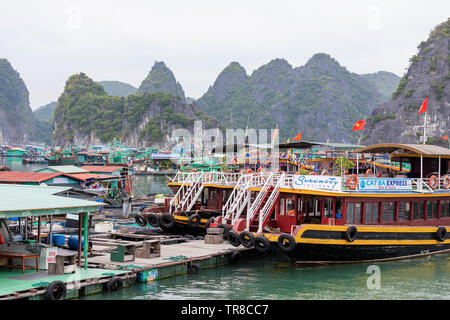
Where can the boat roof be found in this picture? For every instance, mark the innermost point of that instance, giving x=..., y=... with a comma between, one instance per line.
x=309, y=144
x=20, y=200
x=102, y=168
x=66, y=169
x=406, y=149
x=21, y=176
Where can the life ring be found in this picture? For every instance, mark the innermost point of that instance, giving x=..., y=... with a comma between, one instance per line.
x=446, y=181
x=249, y=171
x=312, y=173
x=167, y=221
x=441, y=234
x=194, y=220
x=368, y=172
x=235, y=257
x=261, y=244
x=140, y=220
x=324, y=173
x=193, y=170
x=286, y=242
x=260, y=170
x=246, y=239
x=352, y=181
x=233, y=238
x=153, y=220
x=433, y=182
x=351, y=233
x=56, y=290
x=114, y=284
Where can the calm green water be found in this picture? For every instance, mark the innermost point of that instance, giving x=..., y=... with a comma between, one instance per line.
x=272, y=278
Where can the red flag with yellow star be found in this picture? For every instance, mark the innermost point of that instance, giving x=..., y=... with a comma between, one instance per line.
x=359, y=125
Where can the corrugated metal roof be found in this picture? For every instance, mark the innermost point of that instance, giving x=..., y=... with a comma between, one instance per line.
x=20, y=200
x=20, y=176
x=421, y=149
x=87, y=176
x=102, y=168
x=67, y=169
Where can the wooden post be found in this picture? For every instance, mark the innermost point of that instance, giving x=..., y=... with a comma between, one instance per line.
x=80, y=225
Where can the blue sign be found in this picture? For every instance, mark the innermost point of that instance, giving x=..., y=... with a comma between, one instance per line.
x=388, y=184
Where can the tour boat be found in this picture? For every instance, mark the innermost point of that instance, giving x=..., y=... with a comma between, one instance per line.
x=359, y=216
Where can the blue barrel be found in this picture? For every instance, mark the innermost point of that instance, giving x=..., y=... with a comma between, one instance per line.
x=59, y=239
x=73, y=243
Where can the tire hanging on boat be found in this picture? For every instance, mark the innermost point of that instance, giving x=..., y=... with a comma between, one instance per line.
x=261, y=244
x=210, y=220
x=246, y=239
x=441, y=234
x=153, y=220
x=140, y=220
x=113, y=284
x=194, y=220
x=225, y=228
x=235, y=257
x=193, y=268
x=56, y=290
x=233, y=238
x=167, y=220
x=351, y=233
x=286, y=242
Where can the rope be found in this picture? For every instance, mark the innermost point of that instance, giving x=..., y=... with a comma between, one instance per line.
x=40, y=284
x=176, y=258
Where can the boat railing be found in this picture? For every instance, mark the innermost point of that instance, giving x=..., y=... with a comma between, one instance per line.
x=237, y=198
x=270, y=202
x=259, y=198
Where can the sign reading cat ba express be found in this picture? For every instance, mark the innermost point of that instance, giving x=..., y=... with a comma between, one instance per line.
x=317, y=182
x=377, y=184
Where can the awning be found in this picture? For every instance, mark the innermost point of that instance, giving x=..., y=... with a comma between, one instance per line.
x=407, y=149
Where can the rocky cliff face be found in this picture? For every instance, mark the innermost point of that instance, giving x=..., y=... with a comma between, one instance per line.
x=118, y=88
x=386, y=83
x=87, y=115
x=161, y=79
x=322, y=99
x=16, y=118
x=427, y=77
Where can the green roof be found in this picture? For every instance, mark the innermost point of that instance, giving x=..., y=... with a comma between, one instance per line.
x=63, y=169
x=22, y=200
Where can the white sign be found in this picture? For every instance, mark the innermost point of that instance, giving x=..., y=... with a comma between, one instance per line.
x=380, y=184
x=317, y=182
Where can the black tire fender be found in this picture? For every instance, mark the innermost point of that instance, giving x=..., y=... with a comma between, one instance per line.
x=233, y=238
x=193, y=268
x=351, y=234
x=246, y=239
x=235, y=257
x=210, y=220
x=194, y=220
x=140, y=220
x=56, y=290
x=167, y=220
x=113, y=284
x=286, y=242
x=225, y=228
x=441, y=234
x=261, y=244
x=153, y=220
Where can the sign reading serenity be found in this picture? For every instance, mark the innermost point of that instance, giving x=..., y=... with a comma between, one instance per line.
x=317, y=182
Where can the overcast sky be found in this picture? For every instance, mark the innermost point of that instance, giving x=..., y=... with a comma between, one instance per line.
x=47, y=41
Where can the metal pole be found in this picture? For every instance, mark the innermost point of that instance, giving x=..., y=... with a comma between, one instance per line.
x=86, y=229
x=421, y=172
x=439, y=172
x=39, y=230
x=80, y=225
x=50, y=237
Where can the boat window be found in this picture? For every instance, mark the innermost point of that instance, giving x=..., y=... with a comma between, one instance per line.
x=290, y=205
x=388, y=211
x=446, y=211
x=404, y=211
x=368, y=213
x=418, y=209
x=282, y=211
x=376, y=215
x=328, y=207
x=350, y=212
x=338, y=208
x=358, y=212
x=318, y=210
x=431, y=209
x=310, y=207
x=448, y=208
